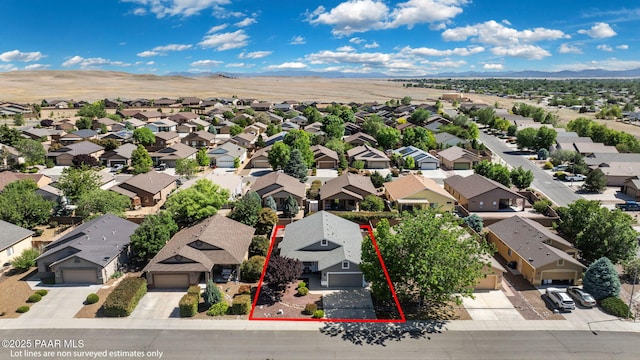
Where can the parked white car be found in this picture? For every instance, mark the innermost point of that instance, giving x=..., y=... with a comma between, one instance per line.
x=560, y=299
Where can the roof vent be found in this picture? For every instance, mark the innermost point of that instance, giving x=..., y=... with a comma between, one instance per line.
x=530, y=260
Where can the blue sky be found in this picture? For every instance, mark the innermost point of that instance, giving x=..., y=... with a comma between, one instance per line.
x=403, y=38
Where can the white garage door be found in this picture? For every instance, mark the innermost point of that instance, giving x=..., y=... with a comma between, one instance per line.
x=79, y=276
x=171, y=281
x=428, y=166
x=261, y=164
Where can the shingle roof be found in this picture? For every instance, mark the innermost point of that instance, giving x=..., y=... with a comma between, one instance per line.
x=361, y=136
x=83, y=147
x=455, y=153
x=323, y=225
x=151, y=182
x=231, y=238
x=167, y=135
x=338, y=184
x=444, y=137
x=85, y=133
x=286, y=183
x=411, y=184
x=12, y=234
x=474, y=185
x=175, y=151
x=366, y=153
x=319, y=150
x=202, y=134
x=228, y=148
x=125, y=151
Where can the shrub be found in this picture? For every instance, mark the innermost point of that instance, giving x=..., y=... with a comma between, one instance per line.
x=244, y=290
x=302, y=291
x=189, y=305
x=541, y=206
x=116, y=275
x=241, y=305
x=631, y=268
x=53, y=224
x=22, y=309
x=42, y=292
x=26, y=260
x=34, y=298
x=561, y=175
x=38, y=232
x=301, y=284
x=251, y=269
x=475, y=222
x=218, y=309
x=125, y=297
x=212, y=294
x=194, y=290
x=372, y=203
x=615, y=306
x=395, y=173
x=548, y=165
x=259, y=246
x=309, y=309
x=318, y=314
x=92, y=298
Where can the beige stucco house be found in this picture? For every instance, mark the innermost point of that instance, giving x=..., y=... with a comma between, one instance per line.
x=418, y=192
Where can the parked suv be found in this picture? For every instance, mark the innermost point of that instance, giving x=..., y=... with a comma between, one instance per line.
x=560, y=299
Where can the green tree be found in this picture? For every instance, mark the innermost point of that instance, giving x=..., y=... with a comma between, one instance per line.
x=372, y=203
x=141, y=160
x=299, y=139
x=388, y=137
x=198, y=202
x=596, y=181
x=84, y=123
x=9, y=136
x=151, y=236
x=144, y=136
x=212, y=294
x=474, y=221
x=271, y=203
x=273, y=129
x=266, y=220
x=333, y=126
x=32, y=151
x=601, y=279
x=521, y=178
x=420, y=138
x=186, y=167
x=290, y=207
x=26, y=260
x=259, y=246
x=247, y=209
x=545, y=137
x=419, y=117
x=543, y=154
x=20, y=205
x=501, y=124
x=251, y=269
x=202, y=158
x=75, y=182
x=279, y=156
x=373, y=124
x=296, y=166
x=486, y=116
x=100, y=202
x=312, y=114
x=526, y=139
x=406, y=100
x=18, y=120
x=260, y=142
x=429, y=258
x=409, y=162
x=93, y=111
x=235, y=129
x=377, y=180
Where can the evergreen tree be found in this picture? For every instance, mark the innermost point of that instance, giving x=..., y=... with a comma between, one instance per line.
x=247, y=209
x=141, y=160
x=601, y=279
x=271, y=203
x=290, y=207
x=212, y=294
x=296, y=166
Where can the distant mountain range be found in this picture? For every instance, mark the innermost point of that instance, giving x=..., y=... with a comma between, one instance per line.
x=582, y=74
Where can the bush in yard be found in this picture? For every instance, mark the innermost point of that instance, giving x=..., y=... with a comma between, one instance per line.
x=244, y=290
x=218, y=309
x=601, y=279
x=124, y=298
x=309, y=309
x=259, y=246
x=548, y=165
x=189, y=305
x=475, y=222
x=615, y=306
x=194, y=290
x=26, y=260
x=301, y=284
x=251, y=269
x=34, y=298
x=372, y=203
x=42, y=292
x=92, y=298
x=212, y=294
x=541, y=206
x=22, y=309
x=318, y=314
x=302, y=291
x=241, y=305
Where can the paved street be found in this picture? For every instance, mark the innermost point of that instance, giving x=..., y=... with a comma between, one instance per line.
x=554, y=190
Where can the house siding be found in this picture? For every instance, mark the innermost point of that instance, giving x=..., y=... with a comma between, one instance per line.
x=16, y=248
x=103, y=273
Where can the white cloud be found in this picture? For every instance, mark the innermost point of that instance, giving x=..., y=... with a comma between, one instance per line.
x=246, y=22
x=167, y=8
x=173, y=47
x=354, y=16
x=444, y=63
x=346, y=48
x=435, y=52
x=506, y=22
x=17, y=55
x=297, y=40
x=150, y=62
x=90, y=63
x=206, y=63
x=217, y=28
x=622, y=47
x=373, y=45
x=438, y=26
x=254, y=54
x=569, y=49
x=599, y=31
x=225, y=41
x=604, y=47
x=335, y=57
x=493, y=33
x=287, y=65
x=8, y=67
x=357, y=40
x=37, y=67
x=529, y=52
x=237, y=65
x=609, y=64
x=493, y=66
x=148, y=53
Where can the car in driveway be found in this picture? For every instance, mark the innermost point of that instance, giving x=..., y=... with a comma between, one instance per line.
x=583, y=298
x=575, y=177
x=560, y=299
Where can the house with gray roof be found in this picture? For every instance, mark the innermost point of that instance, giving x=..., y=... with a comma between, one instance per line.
x=345, y=192
x=372, y=157
x=64, y=156
x=173, y=153
x=90, y=253
x=478, y=193
x=445, y=140
x=423, y=159
x=212, y=249
x=279, y=186
x=77, y=136
x=224, y=155
x=13, y=242
x=118, y=156
x=151, y=188
x=327, y=245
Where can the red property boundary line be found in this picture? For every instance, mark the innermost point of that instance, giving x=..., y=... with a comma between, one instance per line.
x=382, y=265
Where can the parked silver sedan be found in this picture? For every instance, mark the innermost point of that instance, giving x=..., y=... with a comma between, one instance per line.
x=582, y=297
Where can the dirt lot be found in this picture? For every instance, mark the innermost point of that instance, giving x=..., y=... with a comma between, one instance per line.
x=14, y=292
x=291, y=304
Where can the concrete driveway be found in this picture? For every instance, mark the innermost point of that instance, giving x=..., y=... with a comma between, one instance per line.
x=158, y=305
x=348, y=304
x=62, y=301
x=491, y=305
x=581, y=313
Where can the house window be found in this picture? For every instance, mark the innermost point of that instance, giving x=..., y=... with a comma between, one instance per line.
x=560, y=262
x=345, y=265
x=481, y=203
x=509, y=252
x=324, y=242
x=10, y=251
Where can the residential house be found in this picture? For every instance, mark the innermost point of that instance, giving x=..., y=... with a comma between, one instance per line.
x=351, y=128
x=275, y=119
x=163, y=125
x=164, y=140
x=173, y=153
x=90, y=253
x=299, y=120
x=245, y=140
x=225, y=155
x=233, y=183
x=372, y=157
x=457, y=158
x=631, y=187
x=445, y=140
x=9, y=156
x=314, y=128
x=186, y=128
x=191, y=101
x=65, y=125
x=118, y=156
x=359, y=139
x=64, y=156
x=434, y=123
x=183, y=117
x=151, y=188
x=133, y=123
x=148, y=116
x=279, y=186
x=260, y=158
x=418, y=192
x=275, y=138
x=121, y=136
x=213, y=250
x=164, y=102
x=327, y=245
x=256, y=128
x=288, y=126
x=423, y=160
x=37, y=134
x=617, y=173
x=13, y=242
x=345, y=192
x=493, y=275
x=324, y=158
x=477, y=193
x=541, y=256
x=108, y=123
x=199, y=139
x=78, y=136
x=7, y=177
x=262, y=106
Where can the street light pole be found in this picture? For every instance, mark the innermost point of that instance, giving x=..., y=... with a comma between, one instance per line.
x=633, y=287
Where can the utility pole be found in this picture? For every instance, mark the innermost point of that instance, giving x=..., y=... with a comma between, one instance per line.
x=633, y=287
